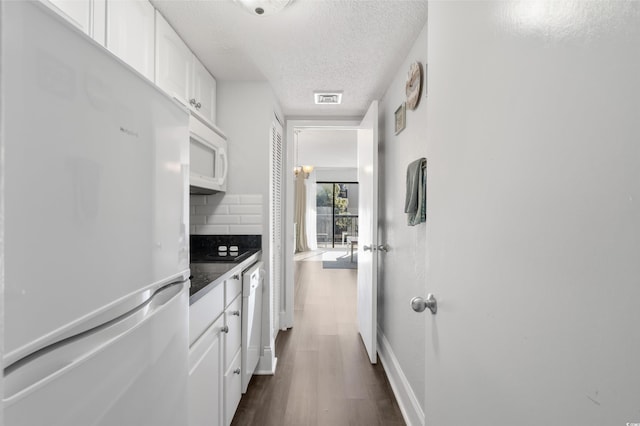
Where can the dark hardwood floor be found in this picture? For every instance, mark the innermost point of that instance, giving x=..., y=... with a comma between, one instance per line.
x=323, y=374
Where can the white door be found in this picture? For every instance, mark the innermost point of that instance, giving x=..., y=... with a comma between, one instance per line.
x=532, y=226
x=368, y=229
x=131, y=34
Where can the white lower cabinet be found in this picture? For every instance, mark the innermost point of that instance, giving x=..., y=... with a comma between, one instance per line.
x=215, y=383
x=232, y=388
x=206, y=377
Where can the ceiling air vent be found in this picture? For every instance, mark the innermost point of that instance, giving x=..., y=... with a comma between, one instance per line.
x=328, y=98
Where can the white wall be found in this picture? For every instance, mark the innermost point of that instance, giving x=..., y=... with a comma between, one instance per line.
x=402, y=273
x=245, y=113
x=533, y=222
x=327, y=148
x=2, y=169
x=343, y=174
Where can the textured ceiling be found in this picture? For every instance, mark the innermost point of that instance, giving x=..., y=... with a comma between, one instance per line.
x=353, y=46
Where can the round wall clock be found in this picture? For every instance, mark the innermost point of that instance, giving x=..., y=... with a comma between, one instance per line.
x=414, y=85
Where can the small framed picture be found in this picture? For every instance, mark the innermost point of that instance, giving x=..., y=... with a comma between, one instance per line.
x=401, y=115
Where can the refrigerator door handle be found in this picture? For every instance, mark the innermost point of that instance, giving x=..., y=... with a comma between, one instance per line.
x=35, y=370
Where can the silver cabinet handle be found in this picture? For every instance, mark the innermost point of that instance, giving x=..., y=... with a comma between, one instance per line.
x=235, y=277
x=194, y=103
x=225, y=329
x=419, y=304
x=237, y=371
x=235, y=313
x=383, y=247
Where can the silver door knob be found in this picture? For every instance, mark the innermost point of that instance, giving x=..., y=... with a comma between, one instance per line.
x=225, y=329
x=383, y=247
x=369, y=248
x=419, y=304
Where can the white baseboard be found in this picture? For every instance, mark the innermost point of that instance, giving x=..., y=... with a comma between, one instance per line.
x=267, y=363
x=409, y=404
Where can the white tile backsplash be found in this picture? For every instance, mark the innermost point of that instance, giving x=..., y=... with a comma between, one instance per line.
x=245, y=209
x=229, y=199
x=251, y=199
x=245, y=229
x=223, y=219
x=226, y=214
x=251, y=219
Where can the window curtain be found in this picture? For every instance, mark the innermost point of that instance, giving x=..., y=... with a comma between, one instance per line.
x=312, y=220
x=300, y=215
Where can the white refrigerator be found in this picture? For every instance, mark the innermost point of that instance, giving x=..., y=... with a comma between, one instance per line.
x=96, y=241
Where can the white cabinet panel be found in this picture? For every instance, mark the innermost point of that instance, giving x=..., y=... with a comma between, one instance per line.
x=232, y=388
x=174, y=61
x=233, y=338
x=206, y=378
x=131, y=32
x=204, y=91
x=204, y=311
x=76, y=11
x=232, y=287
x=99, y=32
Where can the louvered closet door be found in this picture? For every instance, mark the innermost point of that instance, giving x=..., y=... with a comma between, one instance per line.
x=275, y=261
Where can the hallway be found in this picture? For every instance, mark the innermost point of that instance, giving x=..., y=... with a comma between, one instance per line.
x=323, y=375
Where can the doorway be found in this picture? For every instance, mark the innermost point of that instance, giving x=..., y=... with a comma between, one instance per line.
x=340, y=171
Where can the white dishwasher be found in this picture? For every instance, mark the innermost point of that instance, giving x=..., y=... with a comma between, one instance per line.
x=252, y=288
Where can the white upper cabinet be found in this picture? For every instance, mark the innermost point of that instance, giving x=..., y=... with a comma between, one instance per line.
x=174, y=61
x=204, y=92
x=76, y=11
x=131, y=33
x=88, y=15
x=180, y=73
x=139, y=35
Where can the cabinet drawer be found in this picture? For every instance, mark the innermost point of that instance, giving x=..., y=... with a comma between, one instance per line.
x=233, y=339
x=205, y=378
x=233, y=287
x=232, y=389
x=204, y=311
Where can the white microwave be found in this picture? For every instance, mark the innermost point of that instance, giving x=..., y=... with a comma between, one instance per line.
x=208, y=163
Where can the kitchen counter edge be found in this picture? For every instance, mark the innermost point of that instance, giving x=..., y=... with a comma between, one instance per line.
x=221, y=279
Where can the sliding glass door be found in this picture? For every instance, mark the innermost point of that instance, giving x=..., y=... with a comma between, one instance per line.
x=337, y=213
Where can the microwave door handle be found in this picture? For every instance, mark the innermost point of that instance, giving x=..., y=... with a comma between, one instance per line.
x=223, y=155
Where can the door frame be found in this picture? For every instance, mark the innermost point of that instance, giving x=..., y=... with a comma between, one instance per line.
x=286, y=314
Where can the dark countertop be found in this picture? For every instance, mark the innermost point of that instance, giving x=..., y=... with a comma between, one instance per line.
x=207, y=276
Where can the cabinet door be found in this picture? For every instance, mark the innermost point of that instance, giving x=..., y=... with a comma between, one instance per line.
x=131, y=32
x=233, y=339
x=206, y=378
x=99, y=21
x=174, y=61
x=204, y=91
x=232, y=389
x=77, y=12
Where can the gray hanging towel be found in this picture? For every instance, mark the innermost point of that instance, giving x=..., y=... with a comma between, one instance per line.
x=416, y=197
